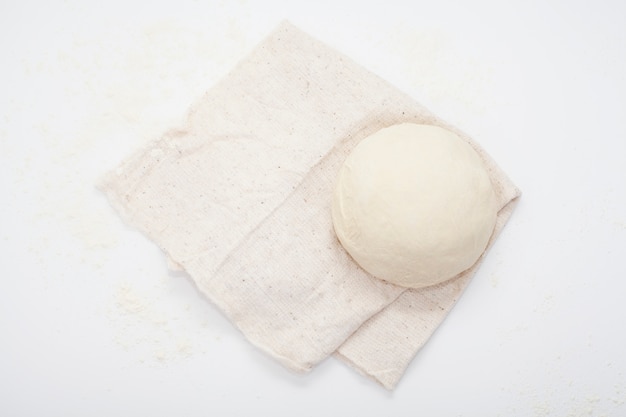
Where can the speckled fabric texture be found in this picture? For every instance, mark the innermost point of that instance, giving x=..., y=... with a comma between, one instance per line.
x=240, y=197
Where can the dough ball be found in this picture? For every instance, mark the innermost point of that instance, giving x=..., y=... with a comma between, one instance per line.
x=414, y=205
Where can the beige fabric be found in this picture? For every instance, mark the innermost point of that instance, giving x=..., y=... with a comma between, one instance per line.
x=240, y=199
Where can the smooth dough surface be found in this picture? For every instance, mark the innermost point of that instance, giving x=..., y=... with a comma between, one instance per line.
x=414, y=205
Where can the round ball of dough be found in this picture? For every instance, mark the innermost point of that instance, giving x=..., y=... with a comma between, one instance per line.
x=414, y=205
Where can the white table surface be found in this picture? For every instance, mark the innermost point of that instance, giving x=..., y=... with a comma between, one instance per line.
x=91, y=321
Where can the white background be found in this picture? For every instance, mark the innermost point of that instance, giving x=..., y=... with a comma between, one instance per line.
x=91, y=321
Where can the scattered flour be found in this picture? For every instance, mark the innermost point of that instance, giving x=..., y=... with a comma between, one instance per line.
x=147, y=322
x=555, y=401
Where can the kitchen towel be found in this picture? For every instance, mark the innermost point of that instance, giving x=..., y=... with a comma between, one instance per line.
x=239, y=198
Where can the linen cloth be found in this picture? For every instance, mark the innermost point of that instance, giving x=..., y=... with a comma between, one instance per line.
x=240, y=199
